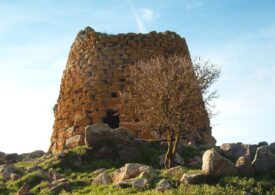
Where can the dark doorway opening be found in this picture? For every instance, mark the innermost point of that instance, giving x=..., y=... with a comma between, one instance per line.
x=112, y=118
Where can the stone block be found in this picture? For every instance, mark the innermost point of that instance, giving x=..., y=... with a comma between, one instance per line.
x=74, y=141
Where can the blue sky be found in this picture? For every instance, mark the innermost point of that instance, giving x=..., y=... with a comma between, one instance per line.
x=35, y=38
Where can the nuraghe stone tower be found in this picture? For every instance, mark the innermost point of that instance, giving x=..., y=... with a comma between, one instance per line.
x=95, y=72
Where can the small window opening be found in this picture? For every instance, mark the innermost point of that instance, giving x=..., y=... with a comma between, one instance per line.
x=114, y=94
x=112, y=118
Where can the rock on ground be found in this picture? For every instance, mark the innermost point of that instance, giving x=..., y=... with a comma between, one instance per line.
x=163, y=185
x=217, y=166
x=174, y=170
x=272, y=147
x=234, y=150
x=244, y=166
x=264, y=160
x=196, y=178
x=98, y=134
x=102, y=179
x=140, y=183
x=130, y=170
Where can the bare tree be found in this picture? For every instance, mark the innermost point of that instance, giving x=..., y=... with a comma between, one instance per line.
x=168, y=95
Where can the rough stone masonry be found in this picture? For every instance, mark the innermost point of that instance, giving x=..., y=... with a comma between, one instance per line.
x=96, y=71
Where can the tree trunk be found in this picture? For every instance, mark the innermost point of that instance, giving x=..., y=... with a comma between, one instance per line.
x=169, y=154
x=175, y=146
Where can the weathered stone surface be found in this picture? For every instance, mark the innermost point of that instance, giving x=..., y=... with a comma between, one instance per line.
x=12, y=158
x=163, y=185
x=263, y=143
x=140, y=183
x=102, y=179
x=98, y=134
x=235, y=150
x=130, y=170
x=98, y=171
x=83, y=122
x=264, y=160
x=217, y=166
x=147, y=172
x=74, y=141
x=194, y=178
x=272, y=147
x=123, y=134
x=36, y=154
x=96, y=72
x=2, y=158
x=244, y=166
x=173, y=171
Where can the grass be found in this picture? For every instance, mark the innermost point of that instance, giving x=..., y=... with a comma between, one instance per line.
x=80, y=177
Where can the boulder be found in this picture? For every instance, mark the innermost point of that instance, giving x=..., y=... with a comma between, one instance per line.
x=272, y=147
x=102, y=179
x=2, y=158
x=244, y=166
x=148, y=173
x=163, y=185
x=174, y=171
x=140, y=183
x=234, y=150
x=130, y=170
x=194, y=178
x=123, y=133
x=98, y=171
x=37, y=154
x=74, y=141
x=263, y=143
x=98, y=134
x=105, y=151
x=32, y=155
x=12, y=158
x=82, y=122
x=217, y=166
x=264, y=160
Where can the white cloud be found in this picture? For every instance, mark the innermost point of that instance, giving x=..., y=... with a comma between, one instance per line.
x=148, y=15
x=143, y=17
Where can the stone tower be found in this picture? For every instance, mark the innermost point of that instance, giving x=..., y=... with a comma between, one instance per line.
x=95, y=72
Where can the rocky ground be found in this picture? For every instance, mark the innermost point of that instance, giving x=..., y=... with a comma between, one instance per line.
x=117, y=163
